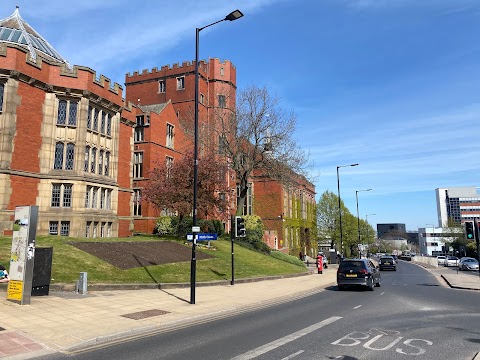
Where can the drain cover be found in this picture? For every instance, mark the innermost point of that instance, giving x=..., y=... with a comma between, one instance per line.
x=145, y=314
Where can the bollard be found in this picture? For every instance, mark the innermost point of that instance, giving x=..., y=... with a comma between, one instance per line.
x=82, y=283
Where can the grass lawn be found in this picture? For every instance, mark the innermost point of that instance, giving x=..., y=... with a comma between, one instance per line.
x=68, y=262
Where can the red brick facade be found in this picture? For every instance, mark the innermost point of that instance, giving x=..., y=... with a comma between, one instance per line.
x=95, y=189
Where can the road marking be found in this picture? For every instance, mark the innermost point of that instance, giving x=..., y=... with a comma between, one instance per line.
x=293, y=355
x=286, y=339
x=382, y=293
x=356, y=307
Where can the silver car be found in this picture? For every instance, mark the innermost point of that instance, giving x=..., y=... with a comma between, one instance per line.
x=451, y=261
x=468, y=263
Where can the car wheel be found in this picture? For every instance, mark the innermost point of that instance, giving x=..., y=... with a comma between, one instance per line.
x=371, y=287
x=341, y=287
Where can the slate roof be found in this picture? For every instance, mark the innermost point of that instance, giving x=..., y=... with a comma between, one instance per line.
x=15, y=30
x=156, y=108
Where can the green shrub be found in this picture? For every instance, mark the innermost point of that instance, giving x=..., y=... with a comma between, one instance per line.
x=287, y=258
x=165, y=226
x=171, y=225
x=254, y=232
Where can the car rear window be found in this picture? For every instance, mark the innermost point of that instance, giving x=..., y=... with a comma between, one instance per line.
x=351, y=265
x=385, y=260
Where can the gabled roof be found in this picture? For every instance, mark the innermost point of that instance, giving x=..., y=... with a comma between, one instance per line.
x=156, y=108
x=15, y=30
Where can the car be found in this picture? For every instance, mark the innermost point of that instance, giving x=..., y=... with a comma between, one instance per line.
x=441, y=260
x=451, y=261
x=468, y=263
x=358, y=272
x=387, y=263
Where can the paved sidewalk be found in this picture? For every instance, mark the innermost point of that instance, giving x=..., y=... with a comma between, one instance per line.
x=66, y=321
x=467, y=280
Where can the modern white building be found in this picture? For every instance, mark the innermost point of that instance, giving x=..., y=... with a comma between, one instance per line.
x=432, y=240
x=458, y=203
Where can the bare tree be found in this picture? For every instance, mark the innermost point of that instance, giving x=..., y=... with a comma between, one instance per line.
x=258, y=140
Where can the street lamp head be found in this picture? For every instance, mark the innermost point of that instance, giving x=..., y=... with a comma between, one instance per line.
x=234, y=15
x=354, y=165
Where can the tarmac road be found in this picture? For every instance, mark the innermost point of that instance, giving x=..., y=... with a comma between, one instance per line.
x=413, y=315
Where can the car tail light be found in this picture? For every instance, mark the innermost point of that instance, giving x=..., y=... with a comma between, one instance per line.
x=364, y=272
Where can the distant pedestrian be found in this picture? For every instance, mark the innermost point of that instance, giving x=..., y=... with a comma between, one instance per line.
x=300, y=255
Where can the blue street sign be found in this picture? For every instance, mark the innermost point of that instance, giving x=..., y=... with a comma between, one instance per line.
x=203, y=236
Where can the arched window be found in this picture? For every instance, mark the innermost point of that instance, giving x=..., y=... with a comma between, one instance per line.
x=107, y=163
x=109, y=124
x=89, y=117
x=94, y=155
x=2, y=90
x=70, y=156
x=95, y=119
x=87, y=156
x=58, y=165
x=102, y=123
x=72, y=113
x=62, y=112
x=100, y=162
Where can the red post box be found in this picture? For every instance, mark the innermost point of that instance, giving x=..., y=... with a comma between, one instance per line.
x=320, y=264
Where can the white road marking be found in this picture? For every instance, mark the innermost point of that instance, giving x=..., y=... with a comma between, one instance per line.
x=356, y=307
x=286, y=339
x=382, y=293
x=293, y=355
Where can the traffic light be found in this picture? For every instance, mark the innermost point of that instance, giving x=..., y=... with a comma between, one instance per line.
x=240, y=227
x=469, y=230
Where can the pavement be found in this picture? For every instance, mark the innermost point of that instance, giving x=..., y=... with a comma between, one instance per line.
x=68, y=322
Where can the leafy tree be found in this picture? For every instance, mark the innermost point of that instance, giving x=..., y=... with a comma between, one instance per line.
x=327, y=216
x=171, y=186
x=328, y=222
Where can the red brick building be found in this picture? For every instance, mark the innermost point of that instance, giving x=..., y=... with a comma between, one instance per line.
x=65, y=140
x=71, y=145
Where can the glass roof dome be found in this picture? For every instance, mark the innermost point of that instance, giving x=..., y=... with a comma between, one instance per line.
x=15, y=30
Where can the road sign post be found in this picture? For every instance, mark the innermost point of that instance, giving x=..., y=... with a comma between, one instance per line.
x=475, y=226
x=232, y=237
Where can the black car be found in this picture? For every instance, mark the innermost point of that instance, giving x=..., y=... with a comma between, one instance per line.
x=358, y=272
x=387, y=263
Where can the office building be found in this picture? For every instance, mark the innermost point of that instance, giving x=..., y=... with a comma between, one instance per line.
x=459, y=204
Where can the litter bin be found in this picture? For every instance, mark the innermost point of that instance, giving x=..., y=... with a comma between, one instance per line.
x=42, y=271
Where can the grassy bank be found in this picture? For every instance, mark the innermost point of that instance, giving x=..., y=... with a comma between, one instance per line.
x=69, y=261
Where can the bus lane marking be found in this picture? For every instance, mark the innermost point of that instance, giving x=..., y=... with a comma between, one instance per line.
x=384, y=340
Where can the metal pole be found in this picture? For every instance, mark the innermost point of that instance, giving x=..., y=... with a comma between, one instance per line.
x=193, y=266
x=358, y=220
x=475, y=229
x=232, y=237
x=340, y=212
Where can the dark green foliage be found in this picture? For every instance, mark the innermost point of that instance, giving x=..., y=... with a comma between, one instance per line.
x=171, y=225
x=254, y=238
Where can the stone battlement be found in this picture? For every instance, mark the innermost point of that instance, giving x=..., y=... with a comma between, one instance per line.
x=186, y=65
x=15, y=57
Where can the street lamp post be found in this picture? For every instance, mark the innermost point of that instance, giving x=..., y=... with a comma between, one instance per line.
x=366, y=223
x=358, y=216
x=340, y=206
x=234, y=15
x=433, y=227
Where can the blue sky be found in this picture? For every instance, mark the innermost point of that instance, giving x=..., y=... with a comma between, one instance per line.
x=393, y=85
